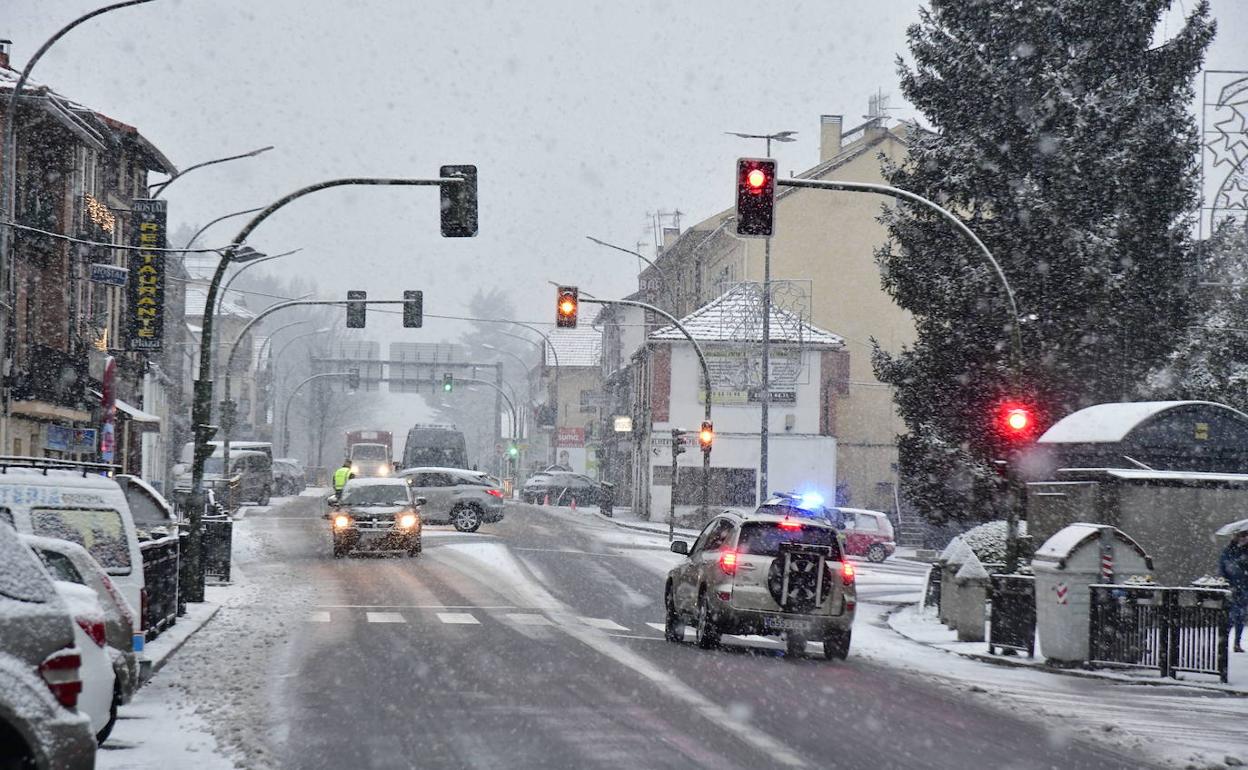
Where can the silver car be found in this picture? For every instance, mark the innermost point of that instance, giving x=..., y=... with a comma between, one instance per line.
x=466, y=499
x=775, y=572
x=39, y=677
x=72, y=563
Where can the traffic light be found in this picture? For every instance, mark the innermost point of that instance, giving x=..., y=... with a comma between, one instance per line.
x=413, y=309
x=356, y=309
x=353, y=379
x=1016, y=422
x=512, y=449
x=678, y=439
x=566, y=304
x=706, y=436
x=448, y=383
x=756, y=197
x=459, y=202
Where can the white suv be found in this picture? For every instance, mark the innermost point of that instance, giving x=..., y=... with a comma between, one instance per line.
x=774, y=572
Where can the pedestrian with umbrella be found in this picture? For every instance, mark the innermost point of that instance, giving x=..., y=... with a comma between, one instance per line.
x=1233, y=565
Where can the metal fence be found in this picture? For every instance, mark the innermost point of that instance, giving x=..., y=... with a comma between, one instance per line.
x=1012, y=620
x=1169, y=629
x=160, y=574
x=217, y=543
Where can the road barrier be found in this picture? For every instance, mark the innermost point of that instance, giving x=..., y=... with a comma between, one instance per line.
x=160, y=574
x=1012, y=621
x=1167, y=628
x=217, y=545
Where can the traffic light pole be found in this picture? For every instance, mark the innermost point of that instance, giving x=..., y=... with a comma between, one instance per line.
x=764, y=429
x=290, y=399
x=706, y=383
x=201, y=405
x=1016, y=337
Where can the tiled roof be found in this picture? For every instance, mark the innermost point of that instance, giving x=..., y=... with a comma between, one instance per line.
x=581, y=346
x=737, y=317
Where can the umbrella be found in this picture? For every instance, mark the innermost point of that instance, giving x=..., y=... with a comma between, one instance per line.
x=1234, y=528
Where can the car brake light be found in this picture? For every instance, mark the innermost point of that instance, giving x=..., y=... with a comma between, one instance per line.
x=790, y=524
x=728, y=562
x=93, y=629
x=60, y=672
x=847, y=573
x=496, y=492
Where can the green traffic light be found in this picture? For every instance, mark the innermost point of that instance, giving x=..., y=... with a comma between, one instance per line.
x=446, y=386
x=511, y=450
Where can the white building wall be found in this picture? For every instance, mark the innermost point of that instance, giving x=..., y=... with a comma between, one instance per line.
x=799, y=459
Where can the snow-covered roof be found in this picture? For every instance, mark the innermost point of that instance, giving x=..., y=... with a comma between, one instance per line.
x=1110, y=423
x=197, y=297
x=736, y=316
x=581, y=346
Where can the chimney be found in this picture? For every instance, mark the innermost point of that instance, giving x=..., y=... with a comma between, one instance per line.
x=5, y=45
x=829, y=137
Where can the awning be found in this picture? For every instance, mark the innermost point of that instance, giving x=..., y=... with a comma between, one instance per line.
x=136, y=414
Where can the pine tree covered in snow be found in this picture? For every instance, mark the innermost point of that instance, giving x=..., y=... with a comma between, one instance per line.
x=1211, y=360
x=1062, y=137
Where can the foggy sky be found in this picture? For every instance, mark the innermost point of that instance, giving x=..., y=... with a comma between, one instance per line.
x=582, y=117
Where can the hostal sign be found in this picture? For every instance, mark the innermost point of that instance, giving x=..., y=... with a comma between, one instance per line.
x=146, y=293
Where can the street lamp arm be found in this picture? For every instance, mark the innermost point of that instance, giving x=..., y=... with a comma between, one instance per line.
x=706, y=370
x=225, y=290
x=160, y=187
x=667, y=281
x=290, y=399
x=896, y=192
x=510, y=405
x=204, y=229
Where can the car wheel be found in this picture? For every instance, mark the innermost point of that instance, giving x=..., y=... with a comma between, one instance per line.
x=836, y=644
x=415, y=548
x=107, y=729
x=876, y=553
x=794, y=644
x=340, y=551
x=708, y=631
x=466, y=518
x=674, y=627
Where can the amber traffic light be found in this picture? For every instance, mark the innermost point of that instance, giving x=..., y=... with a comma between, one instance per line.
x=706, y=436
x=566, y=305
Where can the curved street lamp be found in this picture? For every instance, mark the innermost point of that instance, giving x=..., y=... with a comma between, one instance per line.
x=158, y=189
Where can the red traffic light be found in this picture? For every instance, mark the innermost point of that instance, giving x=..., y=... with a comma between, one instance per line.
x=756, y=179
x=1016, y=421
x=566, y=304
x=756, y=197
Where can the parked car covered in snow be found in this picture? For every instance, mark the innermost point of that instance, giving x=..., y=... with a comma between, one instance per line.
x=40, y=726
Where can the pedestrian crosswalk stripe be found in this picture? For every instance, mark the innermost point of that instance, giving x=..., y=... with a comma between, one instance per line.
x=603, y=623
x=528, y=619
x=385, y=617
x=458, y=618
x=318, y=617
x=657, y=626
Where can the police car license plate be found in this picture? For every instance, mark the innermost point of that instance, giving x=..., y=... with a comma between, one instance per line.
x=785, y=624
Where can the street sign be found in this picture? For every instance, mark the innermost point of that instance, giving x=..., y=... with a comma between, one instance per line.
x=111, y=275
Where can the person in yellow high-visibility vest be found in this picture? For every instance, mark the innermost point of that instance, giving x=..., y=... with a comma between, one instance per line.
x=342, y=476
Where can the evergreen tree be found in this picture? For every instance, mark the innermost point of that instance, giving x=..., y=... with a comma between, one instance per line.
x=1211, y=361
x=1062, y=137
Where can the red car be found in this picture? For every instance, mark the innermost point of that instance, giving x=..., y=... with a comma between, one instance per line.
x=868, y=533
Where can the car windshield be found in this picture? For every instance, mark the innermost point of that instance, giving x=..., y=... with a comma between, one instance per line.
x=376, y=494
x=369, y=452
x=765, y=538
x=101, y=532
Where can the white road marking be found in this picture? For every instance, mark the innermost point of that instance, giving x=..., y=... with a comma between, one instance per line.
x=318, y=617
x=528, y=619
x=458, y=618
x=658, y=627
x=605, y=624
x=385, y=617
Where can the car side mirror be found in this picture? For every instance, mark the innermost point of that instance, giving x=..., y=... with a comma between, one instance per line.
x=333, y=500
x=680, y=547
x=421, y=501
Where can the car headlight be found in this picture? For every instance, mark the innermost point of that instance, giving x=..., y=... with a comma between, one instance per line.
x=355, y=468
x=383, y=470
x=407, y=521
x=342, y=521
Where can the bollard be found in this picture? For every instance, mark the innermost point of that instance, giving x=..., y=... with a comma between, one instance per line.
x=951, y=560
x=972, y=580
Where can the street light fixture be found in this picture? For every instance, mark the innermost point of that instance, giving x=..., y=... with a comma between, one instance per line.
x=779, y=136
x=158, y=189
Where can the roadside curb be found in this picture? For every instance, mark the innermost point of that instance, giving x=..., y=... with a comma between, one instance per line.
x=158, y=663
x=642, y=528
x=1078, y=673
